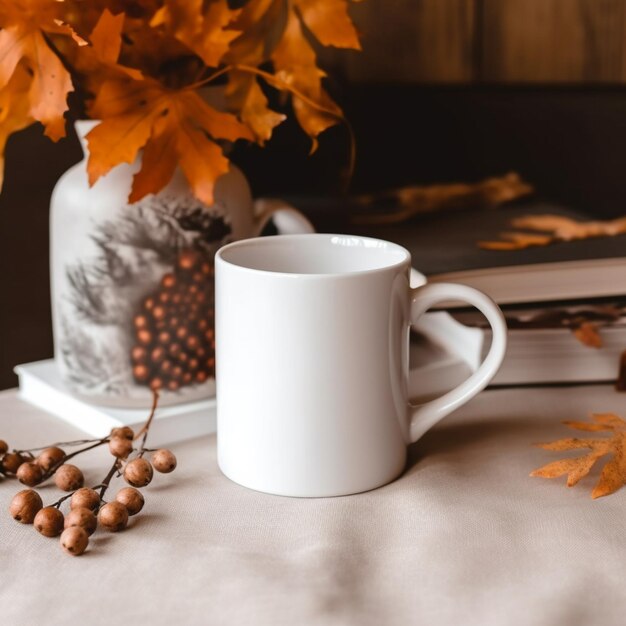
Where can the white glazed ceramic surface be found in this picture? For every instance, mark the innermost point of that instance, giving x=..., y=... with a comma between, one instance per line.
x=107, y=256
x=312, y=362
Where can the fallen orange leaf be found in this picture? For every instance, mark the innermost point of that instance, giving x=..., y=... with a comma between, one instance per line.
x=613, y=475
x=587, y=333
x=557, y=227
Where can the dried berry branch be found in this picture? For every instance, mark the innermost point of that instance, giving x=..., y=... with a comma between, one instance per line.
x=88, y=509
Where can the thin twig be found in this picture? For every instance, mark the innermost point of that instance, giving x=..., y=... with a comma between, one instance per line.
x=58, y=444
x=104, y=485
x=66, y=458
x=146, y=427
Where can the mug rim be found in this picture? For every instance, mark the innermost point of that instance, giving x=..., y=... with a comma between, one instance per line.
x=268, y=239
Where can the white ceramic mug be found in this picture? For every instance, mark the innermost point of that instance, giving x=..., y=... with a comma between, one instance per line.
x=312, y=335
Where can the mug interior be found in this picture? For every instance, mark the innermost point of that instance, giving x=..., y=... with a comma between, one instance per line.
x=314, y=254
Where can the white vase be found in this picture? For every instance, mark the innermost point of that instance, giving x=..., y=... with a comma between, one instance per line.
x=132, y=285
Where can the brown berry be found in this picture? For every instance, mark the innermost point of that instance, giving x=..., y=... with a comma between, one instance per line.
x=192, y=342
x=50, y=457
x=138, y=473
x=138, y=354
x=4, y=446
x=187, y=378
x=120, y=447
x=156, y=384
x=125, y=432
x=68, y=478
x=157, y=354
x=29, y=474
x=182, y=332
x=113, y=516
x=165, y=367
x=187, y=259
x=148, y=304
x=140, y=373
x=201, y=376
x=173, y=385
x=140, y=321
x=164, y=337
x=11, y=462
x=25, y=505
x=144, y=336
x=164, y=461
x=158, y=312
x=85, y=498
x=74, y=540
x=168, y=281
x=82, y=517
x=131, y=498
x=49, y=521
x=174, y=349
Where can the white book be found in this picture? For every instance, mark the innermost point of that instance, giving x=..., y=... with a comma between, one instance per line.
x=534, y=355
x=40, y=384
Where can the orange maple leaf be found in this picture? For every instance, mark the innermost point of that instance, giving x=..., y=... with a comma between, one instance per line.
x=175, y=127
x=272, y=30
x=202, y=26
x=27, y=26
x=330, y=22
x=246, y=96
x=296, y=67
x=613, y=474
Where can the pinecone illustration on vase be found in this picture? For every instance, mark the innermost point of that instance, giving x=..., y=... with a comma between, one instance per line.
x=174, y=328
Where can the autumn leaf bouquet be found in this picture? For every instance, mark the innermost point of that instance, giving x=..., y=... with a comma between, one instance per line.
x=139, y=67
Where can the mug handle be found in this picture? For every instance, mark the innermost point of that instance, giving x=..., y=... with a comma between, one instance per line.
x=425, y=416
x=287, y=219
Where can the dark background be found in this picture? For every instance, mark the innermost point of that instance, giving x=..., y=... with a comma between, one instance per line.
x=447, y=90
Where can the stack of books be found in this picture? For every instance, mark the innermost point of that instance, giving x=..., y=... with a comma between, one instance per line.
x=565, y=303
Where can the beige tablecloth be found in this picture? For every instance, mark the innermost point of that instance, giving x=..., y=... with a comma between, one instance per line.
x=464, y=537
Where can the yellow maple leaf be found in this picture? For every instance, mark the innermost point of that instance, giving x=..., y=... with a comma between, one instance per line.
x=613, y=474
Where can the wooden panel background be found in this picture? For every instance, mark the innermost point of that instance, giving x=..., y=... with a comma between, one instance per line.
x=499, y=41
x=414, y=41
x=553, y=40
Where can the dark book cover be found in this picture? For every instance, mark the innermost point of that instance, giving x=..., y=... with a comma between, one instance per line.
x=447, y=241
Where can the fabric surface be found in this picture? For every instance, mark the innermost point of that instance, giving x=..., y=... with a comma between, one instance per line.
x=464, y=537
